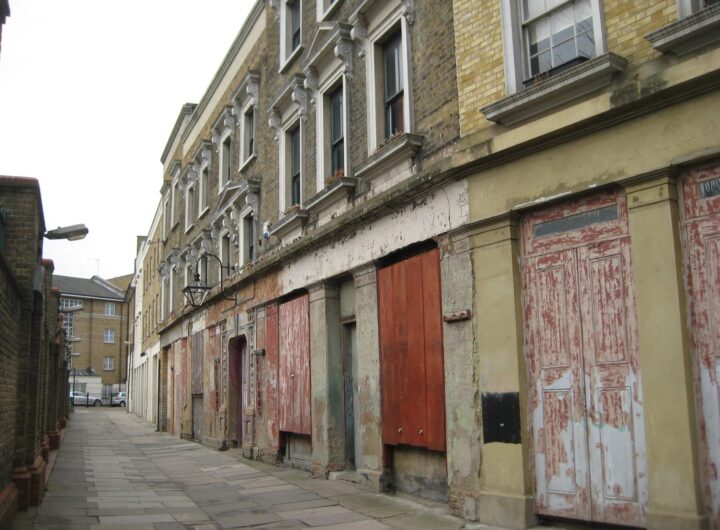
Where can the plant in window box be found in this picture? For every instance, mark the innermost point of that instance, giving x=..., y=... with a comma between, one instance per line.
x=291, y=210
x=332, y=179
x=390, y=139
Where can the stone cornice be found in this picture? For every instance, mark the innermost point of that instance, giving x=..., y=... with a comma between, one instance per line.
x=186, y=110
x=242, y=36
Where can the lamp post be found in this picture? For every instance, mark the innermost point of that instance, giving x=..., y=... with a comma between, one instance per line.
x=196, y=292
x=71, y=233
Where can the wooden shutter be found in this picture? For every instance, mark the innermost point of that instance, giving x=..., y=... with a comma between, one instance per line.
x=411, y=351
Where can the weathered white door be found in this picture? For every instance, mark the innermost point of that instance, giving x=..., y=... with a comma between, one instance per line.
x=701, y=210
x=586, y=402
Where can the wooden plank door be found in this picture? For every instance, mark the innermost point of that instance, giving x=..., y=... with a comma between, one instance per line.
x=701, y=219
x=294, y=366
x=586, y=402
x=411, y=352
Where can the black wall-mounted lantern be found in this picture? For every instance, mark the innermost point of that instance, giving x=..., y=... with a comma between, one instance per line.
x=196, y=292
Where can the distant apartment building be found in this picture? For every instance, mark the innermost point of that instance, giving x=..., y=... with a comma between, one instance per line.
x=95, y=315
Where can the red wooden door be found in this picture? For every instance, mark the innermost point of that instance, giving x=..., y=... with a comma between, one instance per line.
x=294, y=366
x=701, y=219
x=411, y=352
x=586, y=402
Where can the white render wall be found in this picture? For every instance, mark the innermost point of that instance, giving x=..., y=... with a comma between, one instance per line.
x=444, y=209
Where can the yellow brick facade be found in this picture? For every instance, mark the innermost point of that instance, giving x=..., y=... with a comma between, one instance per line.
x=480, y=60
x=480, y=54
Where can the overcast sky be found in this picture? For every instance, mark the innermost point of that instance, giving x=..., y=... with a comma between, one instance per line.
x=89, y=93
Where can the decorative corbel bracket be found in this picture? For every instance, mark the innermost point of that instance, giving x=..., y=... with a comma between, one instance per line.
x=344, y=51
x=274, y=122
x=275, y=5
x=311, y=83
x=409, y=11
x=359, y=32
x=299, y=97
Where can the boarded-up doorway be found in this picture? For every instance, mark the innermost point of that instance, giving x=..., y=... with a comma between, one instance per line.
x=412, y=374
x=238, y=389
x=294, y=378
x=586, y=401
x=701, y=223
x=196, y=384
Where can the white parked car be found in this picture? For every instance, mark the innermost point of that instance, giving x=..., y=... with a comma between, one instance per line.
x=81, y=398
x=119, y=399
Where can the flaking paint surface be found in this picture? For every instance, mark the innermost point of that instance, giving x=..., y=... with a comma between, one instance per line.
x=701, y=220
x=581, y=348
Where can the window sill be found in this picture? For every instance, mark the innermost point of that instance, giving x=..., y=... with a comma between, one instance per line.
x=555, y=91
x=291, y=222
x=689, y=34
x=291, y=58
x=205, y=210
x=247, y=163
x=329, y=194
x=396, y=149
x=188, y=228
x=175, y=225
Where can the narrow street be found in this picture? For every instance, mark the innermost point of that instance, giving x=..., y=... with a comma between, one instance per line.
x=115, y=471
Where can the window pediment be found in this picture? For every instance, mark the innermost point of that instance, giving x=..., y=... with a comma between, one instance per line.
x=225, y=125
x=331, y=40
x=247, y=92
x=203, y=155
x=293, y=93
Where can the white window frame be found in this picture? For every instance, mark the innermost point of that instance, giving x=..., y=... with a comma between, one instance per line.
x=516, y=71
x=203, y=188
x=324, y=114
x=175, y=198
x=247, y=155
x=110, y=309
x=225, y=261
x=379, y=29
x=223, y=178
x=325, y=8
x=244, y=250
x=287, y=55
x=109, y=336
x=286, y=162
x=190, y=198
x=108, y=366
x=167, y=221
x=689, y=7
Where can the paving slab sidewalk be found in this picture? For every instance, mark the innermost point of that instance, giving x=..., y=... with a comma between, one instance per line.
x=114, y=471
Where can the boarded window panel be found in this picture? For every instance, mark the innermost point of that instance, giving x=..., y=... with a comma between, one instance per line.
x=196, y=378
x=391, y=418
x=414, y=382
x=294, y=366
x=271, y=390
x=412, y=352
x=434, y=360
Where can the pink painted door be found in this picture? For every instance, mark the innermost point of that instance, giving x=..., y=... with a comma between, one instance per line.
x=294, y=366
x=586, y=401
x=701, y=220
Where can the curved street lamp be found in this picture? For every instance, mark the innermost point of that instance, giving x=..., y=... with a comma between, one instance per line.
x=196, y=292
x=71, y=233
